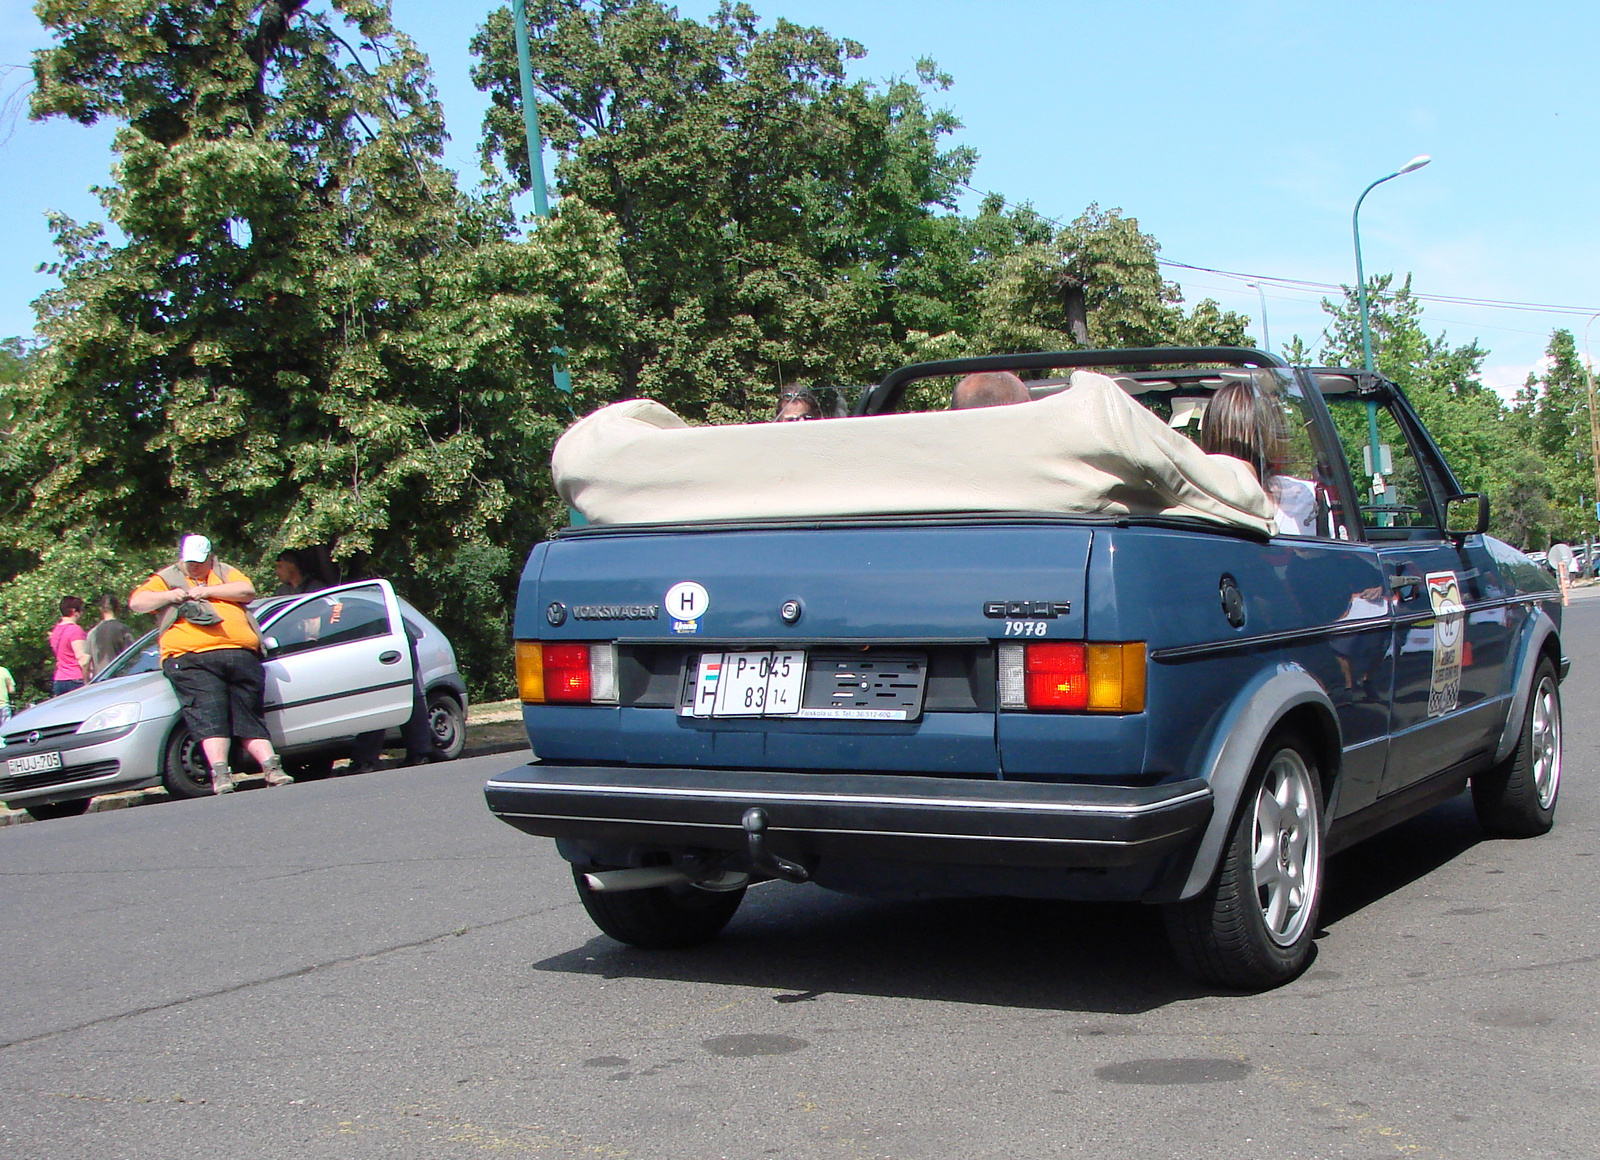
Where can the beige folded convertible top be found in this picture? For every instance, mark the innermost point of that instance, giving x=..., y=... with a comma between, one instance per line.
x=1088, y=449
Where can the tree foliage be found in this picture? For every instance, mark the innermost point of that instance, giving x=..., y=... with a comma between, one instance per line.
x=779, y=222
x=309, y=335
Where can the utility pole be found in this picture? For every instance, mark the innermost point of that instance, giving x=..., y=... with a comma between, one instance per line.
x=1594, y=432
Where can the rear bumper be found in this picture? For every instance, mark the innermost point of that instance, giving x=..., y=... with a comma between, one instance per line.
x=814, y=816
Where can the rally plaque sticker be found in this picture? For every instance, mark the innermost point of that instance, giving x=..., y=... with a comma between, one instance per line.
x=1449, y=632
x=686, y=603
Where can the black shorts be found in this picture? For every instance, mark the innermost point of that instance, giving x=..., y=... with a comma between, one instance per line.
x=220, y=691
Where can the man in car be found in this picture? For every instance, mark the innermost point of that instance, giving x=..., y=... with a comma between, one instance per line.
x=989, y=389
x=210, y=651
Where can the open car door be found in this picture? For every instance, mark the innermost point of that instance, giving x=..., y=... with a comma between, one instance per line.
x=337, y=664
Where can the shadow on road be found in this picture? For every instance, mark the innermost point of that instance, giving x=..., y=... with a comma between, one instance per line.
x=1392, y=860
x=1058, y=956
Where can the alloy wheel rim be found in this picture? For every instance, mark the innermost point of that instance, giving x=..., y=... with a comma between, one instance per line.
x=1546, y=743
x=1286, y=862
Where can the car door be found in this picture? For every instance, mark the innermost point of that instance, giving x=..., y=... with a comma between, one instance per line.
x=1450, y=626
x=337, y=664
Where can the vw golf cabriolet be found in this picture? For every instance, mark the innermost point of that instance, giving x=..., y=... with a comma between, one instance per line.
x=1052, y=649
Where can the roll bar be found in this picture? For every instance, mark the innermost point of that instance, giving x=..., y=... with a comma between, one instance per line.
x=886, y=395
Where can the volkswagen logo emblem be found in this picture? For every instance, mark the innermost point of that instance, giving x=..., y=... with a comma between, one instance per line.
x=556, y=614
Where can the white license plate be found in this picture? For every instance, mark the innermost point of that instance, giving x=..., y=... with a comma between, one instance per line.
x=33, y=763
x=748, y=684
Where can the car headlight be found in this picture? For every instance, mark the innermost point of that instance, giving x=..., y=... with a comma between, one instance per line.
x=112, y=717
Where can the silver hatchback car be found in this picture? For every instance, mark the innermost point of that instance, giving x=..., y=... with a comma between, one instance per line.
x=338, y=663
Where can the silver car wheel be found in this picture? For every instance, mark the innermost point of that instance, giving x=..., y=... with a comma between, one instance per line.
x=1286, y=860
x=1546, y=743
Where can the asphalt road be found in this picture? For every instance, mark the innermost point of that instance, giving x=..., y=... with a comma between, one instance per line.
x=374, y=967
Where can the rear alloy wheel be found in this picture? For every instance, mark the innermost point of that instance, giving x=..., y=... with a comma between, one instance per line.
x=46, y=811
x=447, y=725
x=1254, y=926
x=1517, y=798
x=662, y=917
x=184, y=770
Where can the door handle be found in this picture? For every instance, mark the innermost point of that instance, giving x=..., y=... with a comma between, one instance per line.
x=1402, y=581
x=390, y=657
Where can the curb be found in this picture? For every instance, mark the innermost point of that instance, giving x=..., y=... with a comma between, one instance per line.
x=482, y=741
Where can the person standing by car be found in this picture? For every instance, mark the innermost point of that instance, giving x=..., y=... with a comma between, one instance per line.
x=1562, y=562
x=8, y=686
x=108, y=638
x=210, y=651
x=67, y=643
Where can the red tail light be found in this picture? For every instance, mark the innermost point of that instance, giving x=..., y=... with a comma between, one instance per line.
x=1057, y=676
x=566, y=673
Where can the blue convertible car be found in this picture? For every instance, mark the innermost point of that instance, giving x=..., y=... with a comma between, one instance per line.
x=1072, y=647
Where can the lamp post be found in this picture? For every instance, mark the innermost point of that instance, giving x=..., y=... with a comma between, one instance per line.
x=1411, y=166
x=1266, y=332
x=530, y=125
x=1366, y=329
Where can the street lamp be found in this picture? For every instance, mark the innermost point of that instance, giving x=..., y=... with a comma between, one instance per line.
x=1378, y=485
x=541, y=200
x=1411, y=166
x=1266, y=333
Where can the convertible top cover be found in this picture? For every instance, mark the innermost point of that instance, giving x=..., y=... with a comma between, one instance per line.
x=1089, y=449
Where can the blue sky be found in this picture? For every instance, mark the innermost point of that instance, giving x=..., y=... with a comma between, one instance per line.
x=1239, y=134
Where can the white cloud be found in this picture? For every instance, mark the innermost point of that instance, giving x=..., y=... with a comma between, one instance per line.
x=1506, y=379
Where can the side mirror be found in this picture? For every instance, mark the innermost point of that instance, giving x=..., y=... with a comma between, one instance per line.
x=1466, y=515
x=270, y=643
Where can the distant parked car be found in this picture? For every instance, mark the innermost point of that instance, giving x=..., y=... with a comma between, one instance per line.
x=337, y=663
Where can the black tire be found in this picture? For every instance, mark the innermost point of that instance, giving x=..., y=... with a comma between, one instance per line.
x=46, y=811
x=662, y=917
x=447, y=725
x=1227, y=935
x=184, y=770
x=1517, y=798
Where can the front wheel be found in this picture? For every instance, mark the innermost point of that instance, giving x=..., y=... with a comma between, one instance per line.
x=1517, y=798
x=1254, y=926
x=184, y=769
x=662, y=917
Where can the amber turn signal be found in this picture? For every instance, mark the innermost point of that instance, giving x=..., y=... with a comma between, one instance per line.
x=530, y=672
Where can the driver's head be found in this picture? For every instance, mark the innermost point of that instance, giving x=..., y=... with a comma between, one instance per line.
x=988, y=389
x=796, y=404
x=288, y=567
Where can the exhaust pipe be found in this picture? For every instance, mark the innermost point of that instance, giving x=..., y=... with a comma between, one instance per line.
x=648, y=877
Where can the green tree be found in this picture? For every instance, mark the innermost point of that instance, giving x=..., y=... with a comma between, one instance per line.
x=1104, y=265
x=1553, y=413
x=776, y=221
x=309, y=335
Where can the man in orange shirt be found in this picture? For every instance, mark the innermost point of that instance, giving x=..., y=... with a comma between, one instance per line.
x=211, y=652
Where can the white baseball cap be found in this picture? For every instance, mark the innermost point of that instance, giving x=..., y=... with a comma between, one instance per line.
x=195, y=550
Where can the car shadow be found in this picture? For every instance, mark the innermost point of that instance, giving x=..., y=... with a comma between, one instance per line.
x=1392, y=860
x=805, y=942
x=1097, y=958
